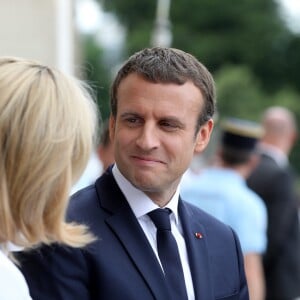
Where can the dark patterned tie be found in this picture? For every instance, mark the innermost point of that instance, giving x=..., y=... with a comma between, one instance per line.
x=168, y=253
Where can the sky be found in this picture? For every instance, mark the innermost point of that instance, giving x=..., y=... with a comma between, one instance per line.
x=291, y=13
x=92, y=19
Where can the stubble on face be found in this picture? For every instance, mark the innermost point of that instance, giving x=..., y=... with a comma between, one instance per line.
x=154, y=134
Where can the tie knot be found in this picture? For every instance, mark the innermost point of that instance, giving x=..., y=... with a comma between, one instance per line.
x=160, y=217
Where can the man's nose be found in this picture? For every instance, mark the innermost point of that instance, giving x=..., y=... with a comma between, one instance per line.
x=148, y=138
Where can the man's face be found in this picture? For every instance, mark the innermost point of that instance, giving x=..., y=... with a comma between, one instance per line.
x=154, y=134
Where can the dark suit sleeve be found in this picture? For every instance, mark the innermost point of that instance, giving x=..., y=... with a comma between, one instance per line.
x=282, y=212
x=55, y=272
x=243, y=293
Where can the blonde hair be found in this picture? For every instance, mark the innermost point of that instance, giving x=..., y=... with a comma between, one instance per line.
x=47, y=129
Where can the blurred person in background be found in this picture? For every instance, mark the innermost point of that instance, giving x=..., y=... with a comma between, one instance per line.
x=90, y=173
x=105, y=148
x=221, y=190
x=273, y=180
x=162, y=104
x=47, y=128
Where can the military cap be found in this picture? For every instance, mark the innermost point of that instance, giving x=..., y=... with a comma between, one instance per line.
x=241, y=134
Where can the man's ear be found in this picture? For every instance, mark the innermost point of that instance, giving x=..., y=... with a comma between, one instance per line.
x=203, y=136
x=112, y=125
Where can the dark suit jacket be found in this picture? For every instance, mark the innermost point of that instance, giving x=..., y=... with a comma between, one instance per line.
x=121, y=264
x=281, y=260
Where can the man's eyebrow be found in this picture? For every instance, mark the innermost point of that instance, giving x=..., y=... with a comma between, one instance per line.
x=171, y=119
x=129, y=114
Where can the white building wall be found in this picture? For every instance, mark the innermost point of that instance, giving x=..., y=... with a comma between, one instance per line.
x=39, y=29
x=44, y=30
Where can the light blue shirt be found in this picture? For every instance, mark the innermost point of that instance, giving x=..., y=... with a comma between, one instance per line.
x=224, y=194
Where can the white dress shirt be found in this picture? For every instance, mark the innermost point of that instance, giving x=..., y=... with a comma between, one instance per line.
x=141, y=205
x=12, y=282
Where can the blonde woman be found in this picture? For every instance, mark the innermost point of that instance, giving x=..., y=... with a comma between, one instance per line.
x=47, y=126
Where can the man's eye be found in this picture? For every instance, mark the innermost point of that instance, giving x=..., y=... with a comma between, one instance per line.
x=168, y=125
x=132, y=121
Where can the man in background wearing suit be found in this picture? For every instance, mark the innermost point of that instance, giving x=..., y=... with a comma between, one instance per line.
x=231, y=200
x=162, y=104
x=274, y=182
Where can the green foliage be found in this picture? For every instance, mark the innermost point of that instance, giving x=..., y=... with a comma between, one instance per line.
x=244, y=43
x=96, y=73
x=292, y=59
x=240, y=95
x=218, y=32
x=226, y=31
x=133, y=13
x=238, y=89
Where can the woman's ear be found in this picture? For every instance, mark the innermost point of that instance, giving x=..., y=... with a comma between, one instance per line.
x=203, y=136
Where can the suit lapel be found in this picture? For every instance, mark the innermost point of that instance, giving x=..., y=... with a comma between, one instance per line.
x=125, y=226
x=195, y=238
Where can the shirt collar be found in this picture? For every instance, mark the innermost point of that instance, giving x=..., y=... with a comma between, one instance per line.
x=139, y=202
x=279, y=156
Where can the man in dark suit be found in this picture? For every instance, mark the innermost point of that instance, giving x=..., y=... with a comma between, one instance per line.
x=274, y=182
x=162, y=104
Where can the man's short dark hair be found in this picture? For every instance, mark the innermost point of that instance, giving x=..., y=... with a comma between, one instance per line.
x=169, y=65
